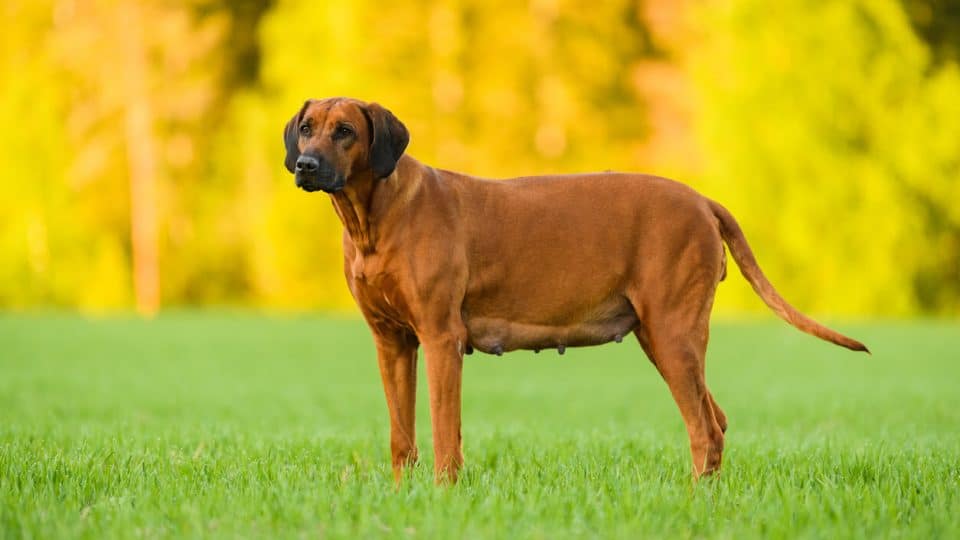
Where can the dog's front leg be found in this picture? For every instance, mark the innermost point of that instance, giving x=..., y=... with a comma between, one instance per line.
x=397, y=356
x=444, y=356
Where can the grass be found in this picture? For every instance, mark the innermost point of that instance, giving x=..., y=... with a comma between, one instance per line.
x=223, y=425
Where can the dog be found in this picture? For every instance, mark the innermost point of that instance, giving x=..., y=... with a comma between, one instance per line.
x=455, y=263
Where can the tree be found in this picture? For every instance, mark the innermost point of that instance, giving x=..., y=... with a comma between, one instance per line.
x=831, y=136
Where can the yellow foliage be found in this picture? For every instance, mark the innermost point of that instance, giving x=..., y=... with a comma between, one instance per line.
x=828, y=129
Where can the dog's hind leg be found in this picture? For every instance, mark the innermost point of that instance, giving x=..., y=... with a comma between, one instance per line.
x=676, y=342
x=717, y=411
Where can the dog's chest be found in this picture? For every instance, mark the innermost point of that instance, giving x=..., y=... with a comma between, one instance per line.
x=377, y=288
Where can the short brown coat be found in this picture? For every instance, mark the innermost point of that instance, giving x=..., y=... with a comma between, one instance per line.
x=453, y=263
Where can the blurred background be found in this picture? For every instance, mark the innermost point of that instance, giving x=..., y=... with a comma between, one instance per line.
x=141, y=163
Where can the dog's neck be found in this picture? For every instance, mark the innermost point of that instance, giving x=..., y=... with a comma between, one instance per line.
x=364, y=204
x=352, y=204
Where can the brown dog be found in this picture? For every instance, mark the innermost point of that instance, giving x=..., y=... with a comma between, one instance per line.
x=456, y=263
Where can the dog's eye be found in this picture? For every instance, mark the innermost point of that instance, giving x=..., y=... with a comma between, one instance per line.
x=305, y=129
x=342, y=132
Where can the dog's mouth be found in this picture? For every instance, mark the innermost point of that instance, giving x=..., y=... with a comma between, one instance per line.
x=311, y=184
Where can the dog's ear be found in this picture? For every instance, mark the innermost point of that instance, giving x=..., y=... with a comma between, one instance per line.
x=291, y=136
x=388, y=140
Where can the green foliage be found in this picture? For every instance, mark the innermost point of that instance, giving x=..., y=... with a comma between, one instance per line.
x=834, y=140
x=236, y=426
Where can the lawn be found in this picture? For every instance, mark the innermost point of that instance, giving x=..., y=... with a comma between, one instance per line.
x=236, y=425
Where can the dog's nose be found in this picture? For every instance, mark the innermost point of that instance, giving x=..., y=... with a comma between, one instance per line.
x=307, y=164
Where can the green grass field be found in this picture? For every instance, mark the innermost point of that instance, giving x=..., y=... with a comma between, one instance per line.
x=244, y=426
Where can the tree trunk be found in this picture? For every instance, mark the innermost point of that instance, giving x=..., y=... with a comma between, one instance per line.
x=141, y=160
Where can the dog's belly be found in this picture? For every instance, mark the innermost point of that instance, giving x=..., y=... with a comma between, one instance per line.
x=493, y=333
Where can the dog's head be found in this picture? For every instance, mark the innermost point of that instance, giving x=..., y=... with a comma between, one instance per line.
x=333, y=140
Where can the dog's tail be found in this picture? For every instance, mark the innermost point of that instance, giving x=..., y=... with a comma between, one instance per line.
x=743, y=255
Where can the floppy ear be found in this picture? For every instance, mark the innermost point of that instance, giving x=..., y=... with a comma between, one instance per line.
x=291, y=135
x=389, y=138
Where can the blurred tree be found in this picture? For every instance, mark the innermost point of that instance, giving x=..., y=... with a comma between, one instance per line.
x=141, y=162
x=833, y=138
x=168, y=84
x=495, y=89
x=937, y=22
x=125, y=110
x=31, y=155
x=240, y=46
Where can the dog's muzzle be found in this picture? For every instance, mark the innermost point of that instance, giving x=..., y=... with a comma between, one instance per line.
x=313, y=174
